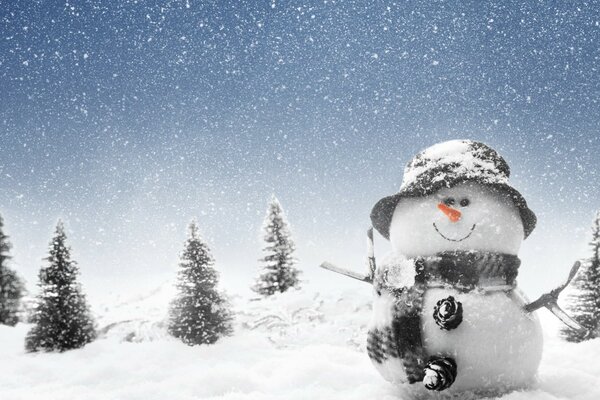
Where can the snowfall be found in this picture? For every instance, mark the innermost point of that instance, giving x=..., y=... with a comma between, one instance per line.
x=302, y=344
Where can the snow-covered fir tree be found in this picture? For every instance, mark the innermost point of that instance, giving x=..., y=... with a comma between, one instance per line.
x=278, y=270
x=583, y=301
x=199, y=314
x=11, y=286
x=62, y=319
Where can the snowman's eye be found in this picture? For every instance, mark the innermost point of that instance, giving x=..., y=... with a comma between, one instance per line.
x=465, y=202
x=449, y=201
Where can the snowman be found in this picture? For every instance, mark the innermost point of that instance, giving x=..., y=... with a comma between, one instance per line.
x=447, y=312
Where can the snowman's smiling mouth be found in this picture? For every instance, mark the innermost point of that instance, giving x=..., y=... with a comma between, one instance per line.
x=454, y=240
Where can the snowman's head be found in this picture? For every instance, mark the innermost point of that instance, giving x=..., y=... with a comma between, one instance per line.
x=454, y=195
x=468, y=216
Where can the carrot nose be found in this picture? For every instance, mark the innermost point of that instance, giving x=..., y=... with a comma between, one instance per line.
x=450, y=212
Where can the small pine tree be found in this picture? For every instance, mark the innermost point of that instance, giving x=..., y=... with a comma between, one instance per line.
x=61, y=318
x=11, y=286
x=199, y=314
x=278, y=270
x=583, y=302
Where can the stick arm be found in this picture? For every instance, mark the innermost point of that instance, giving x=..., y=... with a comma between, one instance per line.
x=550, y=301
x=356, y=275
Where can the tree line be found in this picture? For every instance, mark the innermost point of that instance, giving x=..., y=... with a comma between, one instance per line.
x=199, y=314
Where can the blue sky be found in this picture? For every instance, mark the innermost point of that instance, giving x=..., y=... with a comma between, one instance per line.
x=127, y=119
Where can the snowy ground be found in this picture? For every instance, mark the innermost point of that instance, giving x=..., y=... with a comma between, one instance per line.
x=301, y=345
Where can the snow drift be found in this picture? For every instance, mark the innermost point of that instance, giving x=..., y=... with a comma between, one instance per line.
x=298, y=345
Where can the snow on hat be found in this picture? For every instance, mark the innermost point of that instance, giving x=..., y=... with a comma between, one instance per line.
x=445, y=165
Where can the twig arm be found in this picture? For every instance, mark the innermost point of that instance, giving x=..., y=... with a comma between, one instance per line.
x=354, y=275
x=550, y=301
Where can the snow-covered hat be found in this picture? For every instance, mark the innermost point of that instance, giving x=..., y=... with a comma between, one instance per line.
x=445, y=165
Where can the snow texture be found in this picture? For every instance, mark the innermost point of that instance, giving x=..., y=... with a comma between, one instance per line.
x=461, y=156
x=296, y=345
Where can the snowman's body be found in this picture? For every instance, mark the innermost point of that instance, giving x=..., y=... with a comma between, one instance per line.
x=497, y=345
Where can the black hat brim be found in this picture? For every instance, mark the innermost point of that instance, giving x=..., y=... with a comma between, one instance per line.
x=383, y=211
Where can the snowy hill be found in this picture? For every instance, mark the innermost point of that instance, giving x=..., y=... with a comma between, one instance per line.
x=298, y=345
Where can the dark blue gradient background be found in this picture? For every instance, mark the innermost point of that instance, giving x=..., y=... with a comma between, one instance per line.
x=128, y=118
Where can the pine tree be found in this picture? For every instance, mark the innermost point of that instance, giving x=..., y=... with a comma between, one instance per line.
x=11, y=286
x=199, y=314
x=62, y=319
x=278, y=270
x=583, y=303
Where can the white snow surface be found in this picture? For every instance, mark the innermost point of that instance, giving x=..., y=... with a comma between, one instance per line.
x=298, y=345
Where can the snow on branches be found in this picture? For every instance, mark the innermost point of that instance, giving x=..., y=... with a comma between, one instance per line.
x=62, y=319
x=11, y=286
x=584, y=300
x=278, y=271
x=199, y=314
